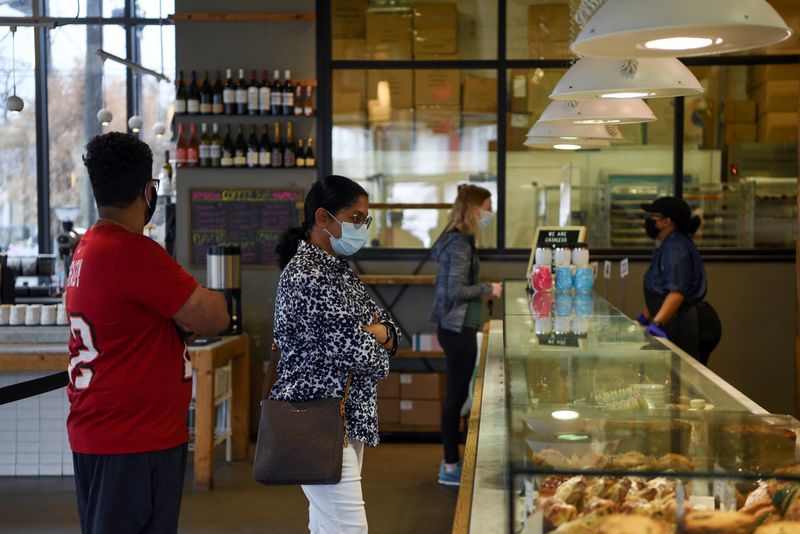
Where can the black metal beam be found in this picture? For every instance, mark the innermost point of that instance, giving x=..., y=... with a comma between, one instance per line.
x=502, y=120
x=324, y=89
x=42, y=137
x=677, y=149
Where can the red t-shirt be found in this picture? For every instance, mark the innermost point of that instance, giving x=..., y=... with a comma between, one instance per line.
x=130, y=380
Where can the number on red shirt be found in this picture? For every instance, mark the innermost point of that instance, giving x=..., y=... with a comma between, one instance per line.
x=80, y=368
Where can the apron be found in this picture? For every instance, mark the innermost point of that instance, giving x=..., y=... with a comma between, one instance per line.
x=695, y=328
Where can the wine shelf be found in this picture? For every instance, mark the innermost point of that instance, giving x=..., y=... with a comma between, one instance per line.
x=196, y=117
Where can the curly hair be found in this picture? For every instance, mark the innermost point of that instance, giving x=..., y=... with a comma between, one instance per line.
x=119, y=166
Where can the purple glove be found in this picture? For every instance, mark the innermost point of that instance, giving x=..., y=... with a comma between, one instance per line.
x=656, y=331
x=642, y=320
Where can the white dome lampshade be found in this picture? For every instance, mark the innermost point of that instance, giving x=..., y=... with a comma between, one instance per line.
x=659, y=28
x=104, y=117
x=653, y=77
x=159, y=129
x=550, y=143
x=135, y=123
x=598, y=111
x=572, y=132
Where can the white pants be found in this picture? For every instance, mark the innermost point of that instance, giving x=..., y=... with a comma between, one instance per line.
x=339, y=508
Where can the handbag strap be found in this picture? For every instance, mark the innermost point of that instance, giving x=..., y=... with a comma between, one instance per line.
x=346, y=394
x=271, y=374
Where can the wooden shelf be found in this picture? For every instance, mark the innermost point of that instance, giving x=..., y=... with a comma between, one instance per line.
x=416, y=354
x=398, y=279
x=205, y=16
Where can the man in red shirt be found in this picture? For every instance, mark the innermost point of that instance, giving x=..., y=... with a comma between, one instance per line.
x=130, y=305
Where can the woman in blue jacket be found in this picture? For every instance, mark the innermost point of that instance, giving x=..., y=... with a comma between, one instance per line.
x=458, y=312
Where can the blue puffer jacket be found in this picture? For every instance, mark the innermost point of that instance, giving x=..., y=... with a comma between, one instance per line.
x=454, y=252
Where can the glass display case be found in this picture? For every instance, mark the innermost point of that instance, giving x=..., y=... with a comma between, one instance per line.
x=611, y=430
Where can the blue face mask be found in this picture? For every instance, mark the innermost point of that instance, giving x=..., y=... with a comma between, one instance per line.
x=352, y=240
x=485, y=219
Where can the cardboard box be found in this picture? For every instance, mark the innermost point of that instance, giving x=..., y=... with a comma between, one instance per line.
x=552, y=50
x=420, y=412
x=348, y=19
x=772, y=134
x=780, y=103
x=442, y=57
x=389, y=35
x=792, y=44
x=775, y=88
x=540, y=85
x=435, y=15
x=349, y=92
x=740, y=132
x=548, y=22
x=349, y=49
x=389, y=387
x=779, y=119
x=518, y=85
x=389, y=411
x=739, y=111
x=401, y=86
x=480, y=94
x=437, y=87
x=346, y=102
x=759, y=74
x=416, y=386
x=437, y=121
x=435, y=41
x=517, y=126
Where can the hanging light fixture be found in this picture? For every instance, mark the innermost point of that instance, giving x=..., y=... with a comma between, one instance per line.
x=135, y=123
x=562, y=144
x=159, y=129
x=657, y=28
x=599, y=111
x=653, y=77
x=104, y=116
x=574, y=132
x=14, y=104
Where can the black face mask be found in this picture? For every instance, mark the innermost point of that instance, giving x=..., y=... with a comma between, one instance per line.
x=650, y=228
x=151, y=206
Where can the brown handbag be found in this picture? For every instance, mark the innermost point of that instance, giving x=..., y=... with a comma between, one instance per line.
x=299, y=442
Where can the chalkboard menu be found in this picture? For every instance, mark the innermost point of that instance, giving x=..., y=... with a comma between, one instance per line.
x=254, y=219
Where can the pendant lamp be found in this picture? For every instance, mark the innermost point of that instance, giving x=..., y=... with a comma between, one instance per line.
x=661, y=28
x=598, y=111
x=572, y=132
x=561, y=144
x=14, y=104
x=653, y=77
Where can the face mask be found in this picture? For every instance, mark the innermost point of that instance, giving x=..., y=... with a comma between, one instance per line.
x=650, y=228
x=151, y=205
x=485, y=219
x=352, y=240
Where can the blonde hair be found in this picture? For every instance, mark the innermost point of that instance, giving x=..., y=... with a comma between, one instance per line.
x=462, y=214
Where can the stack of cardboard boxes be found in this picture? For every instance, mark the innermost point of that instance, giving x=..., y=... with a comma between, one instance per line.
x=739, y=121
x=412, y=400
x=549, y=30
x=776, y=89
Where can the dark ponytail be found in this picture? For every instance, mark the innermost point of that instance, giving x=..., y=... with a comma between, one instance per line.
x=691, y=226
x=331, y=193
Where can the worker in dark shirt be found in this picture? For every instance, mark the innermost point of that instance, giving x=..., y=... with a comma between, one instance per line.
x=675, y=285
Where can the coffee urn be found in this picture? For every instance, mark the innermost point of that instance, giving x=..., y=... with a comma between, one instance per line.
x=224, y=274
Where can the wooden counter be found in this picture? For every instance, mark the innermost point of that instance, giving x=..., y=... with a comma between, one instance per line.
x=234, y=349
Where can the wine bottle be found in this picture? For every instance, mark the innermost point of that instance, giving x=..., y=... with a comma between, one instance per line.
x=166, y=168
x=193, y=151
x=252, y=148
x=288, y=93
x=205, y=96
x=265, y=148
x=300, y=155
x=310, y=159
x=252, y=95
x=215, y=148
x=180, y=95
x=240, y=150
x=181, y=148
x=241, y=95
x=193, y=101
x=217, y=98
x=288, y=147
x=226, y=157
x=308, y=107
x=205, y=147
x=229, y=94
x=277, y=147
x=264, y=94
x=299, y=99
x=276, y=104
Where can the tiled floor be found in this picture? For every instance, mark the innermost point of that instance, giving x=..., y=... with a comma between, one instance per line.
x=399, y=482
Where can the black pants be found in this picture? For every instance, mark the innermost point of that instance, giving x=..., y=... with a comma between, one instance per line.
x=460, y=350
x=130, y=493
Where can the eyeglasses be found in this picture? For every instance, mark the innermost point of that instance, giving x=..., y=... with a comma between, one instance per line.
x=156, y=183
x=358, y=220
